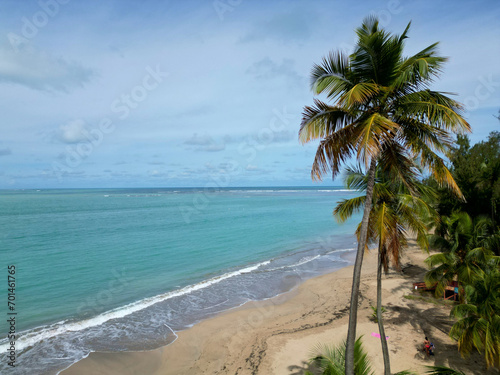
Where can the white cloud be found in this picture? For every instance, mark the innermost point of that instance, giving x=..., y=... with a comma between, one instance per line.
x=72, y=132
x=199, y=140
x=41, y=71
x=212, y=148
x=205, y=142
x=268, y=69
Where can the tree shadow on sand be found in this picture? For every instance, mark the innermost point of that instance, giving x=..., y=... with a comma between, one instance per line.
x=428, y=321
x=301, y=370
x=414, y=271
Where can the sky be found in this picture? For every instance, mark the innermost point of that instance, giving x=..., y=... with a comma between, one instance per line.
x=202, y=93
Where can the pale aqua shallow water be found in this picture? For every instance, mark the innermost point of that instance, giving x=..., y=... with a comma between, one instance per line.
x=133, y=265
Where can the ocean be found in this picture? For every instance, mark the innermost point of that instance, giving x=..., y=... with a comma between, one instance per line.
x=125, y=269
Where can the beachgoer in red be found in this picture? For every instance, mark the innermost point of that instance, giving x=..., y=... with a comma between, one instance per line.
x=427, y=346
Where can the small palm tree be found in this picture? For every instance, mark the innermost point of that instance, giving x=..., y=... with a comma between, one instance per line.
x=478, y=324
x=331, y=359
x=394, y=212
x=384, y=113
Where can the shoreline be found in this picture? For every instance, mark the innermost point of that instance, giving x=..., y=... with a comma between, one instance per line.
x=346, y=255
x=275, y=336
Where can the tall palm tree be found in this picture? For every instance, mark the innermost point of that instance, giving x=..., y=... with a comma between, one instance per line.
x=394, y=212
x=383, y=112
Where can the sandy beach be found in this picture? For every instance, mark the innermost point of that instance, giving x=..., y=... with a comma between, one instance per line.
x=276, y=336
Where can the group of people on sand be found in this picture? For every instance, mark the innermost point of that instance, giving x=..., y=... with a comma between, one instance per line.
x=428, y=347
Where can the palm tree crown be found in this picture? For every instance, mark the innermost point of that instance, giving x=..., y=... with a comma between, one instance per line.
x=383, y=108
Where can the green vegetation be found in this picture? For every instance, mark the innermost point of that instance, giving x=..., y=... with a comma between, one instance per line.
x=441, y=370
x=468, y=237
x=465, y=253
x=477, y=171
x=330, y=360
x=385, y=115
x=375, y=312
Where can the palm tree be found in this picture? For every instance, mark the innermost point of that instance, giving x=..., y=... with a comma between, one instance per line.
x=479, y=320
x=385, y=113
x=394, y=212
x=465, y=252
x=331, y=359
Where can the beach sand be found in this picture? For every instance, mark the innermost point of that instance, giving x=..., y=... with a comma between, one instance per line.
x=276, y=336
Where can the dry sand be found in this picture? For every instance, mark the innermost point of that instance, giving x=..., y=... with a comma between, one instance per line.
x=276, y=336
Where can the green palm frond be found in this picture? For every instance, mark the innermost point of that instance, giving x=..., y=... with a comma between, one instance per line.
x=355, y=178
x=331, y=359
x=396, y=161
x=435, y=108
x=359, y=94
x=375, y=130
x=416, y=71
x=321, y=120
x=442, y=370
x=332, y=152
x=332, y=76
x=440, y=172
x=346, y=207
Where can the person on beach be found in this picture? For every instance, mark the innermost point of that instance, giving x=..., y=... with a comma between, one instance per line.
x=427, y=346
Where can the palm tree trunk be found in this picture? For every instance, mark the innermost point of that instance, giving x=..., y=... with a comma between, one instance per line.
x=385, y=349
x=356, y=277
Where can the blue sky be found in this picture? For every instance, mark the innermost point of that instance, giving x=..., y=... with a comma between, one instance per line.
x=196, y=93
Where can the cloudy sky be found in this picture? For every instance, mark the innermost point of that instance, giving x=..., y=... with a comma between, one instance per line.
x=185, y=93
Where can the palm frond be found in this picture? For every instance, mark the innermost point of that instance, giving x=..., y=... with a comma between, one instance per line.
x=346, y=207
x=321, y=120
x=332, y=152
x=442, y=370
x=360, y=93
x=331, y=359
x=332, y=75
x=373, y=132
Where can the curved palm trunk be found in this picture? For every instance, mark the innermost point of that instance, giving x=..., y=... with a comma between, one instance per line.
x=356, y=277
x=381, y=330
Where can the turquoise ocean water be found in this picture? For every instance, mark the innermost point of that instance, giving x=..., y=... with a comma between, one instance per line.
x=124, y=269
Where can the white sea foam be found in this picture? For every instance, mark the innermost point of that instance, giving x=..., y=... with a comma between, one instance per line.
x=29, y=338
x=299, y=263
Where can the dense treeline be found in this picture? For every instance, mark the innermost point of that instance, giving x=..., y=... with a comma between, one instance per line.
x=468, y=237
x=476, y=170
